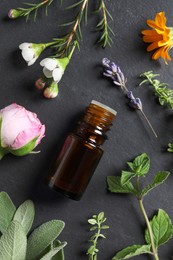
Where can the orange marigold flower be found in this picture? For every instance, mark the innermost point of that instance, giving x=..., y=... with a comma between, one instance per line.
x=160, y=37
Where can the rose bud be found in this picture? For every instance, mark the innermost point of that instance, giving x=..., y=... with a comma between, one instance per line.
x=21, y=130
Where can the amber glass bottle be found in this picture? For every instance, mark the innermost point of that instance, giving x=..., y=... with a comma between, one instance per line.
x=81, y=152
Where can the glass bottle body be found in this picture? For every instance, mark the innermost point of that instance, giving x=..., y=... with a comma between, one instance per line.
x=81, y=152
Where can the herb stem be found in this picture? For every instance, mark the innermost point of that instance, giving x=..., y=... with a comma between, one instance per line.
x=154, y=249
x=146, y=118
x=75, y=27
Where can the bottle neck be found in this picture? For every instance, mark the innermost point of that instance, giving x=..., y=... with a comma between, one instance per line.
x=95, y=123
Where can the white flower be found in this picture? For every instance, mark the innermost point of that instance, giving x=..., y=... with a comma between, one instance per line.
x=52, y=69
x=31, y=51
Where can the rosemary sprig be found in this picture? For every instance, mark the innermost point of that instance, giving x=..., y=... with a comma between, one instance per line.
x=96, y=221
x=103, y=25
x=66, y=43
x=164, y=94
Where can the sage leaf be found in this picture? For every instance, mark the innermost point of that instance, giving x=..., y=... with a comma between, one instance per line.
x=162, y=228
x=25, y=215
x=115, y=186
x=7, y=210
x=141, y=164
x=54, y=251
x=159, y=179
x=60, y=254
x=126, y=177
x=42, y=237
x=131, y=251
x=13, y=243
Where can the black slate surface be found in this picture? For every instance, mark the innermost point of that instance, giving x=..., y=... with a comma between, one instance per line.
x=23, y=178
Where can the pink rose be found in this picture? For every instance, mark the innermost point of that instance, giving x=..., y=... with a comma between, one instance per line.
x=21, y=130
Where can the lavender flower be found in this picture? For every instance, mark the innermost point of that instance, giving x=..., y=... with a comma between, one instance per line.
x=134, y=102
x=113, y=71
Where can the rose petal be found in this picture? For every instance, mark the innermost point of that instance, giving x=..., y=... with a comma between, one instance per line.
x=57, y=74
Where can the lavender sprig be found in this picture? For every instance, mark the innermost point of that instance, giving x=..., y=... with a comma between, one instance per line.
x=113, y=71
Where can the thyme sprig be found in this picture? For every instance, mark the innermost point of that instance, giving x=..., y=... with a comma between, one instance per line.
x=96, y=221
x=30, y=8
x=103, y=26
x=164, y=94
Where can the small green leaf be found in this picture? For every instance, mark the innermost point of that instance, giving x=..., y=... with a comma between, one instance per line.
x=126, y=177
x=162, y=228
x=7, y=210
x=141, y=164
x=170, y=147
x=53, y=251
x=13, y=243
x=115, y=186
x=42, y=237
x=25, y=215
x=131, y=251
x=92, y=221
x=101, y=216
x=104, y=227
x=159, y=179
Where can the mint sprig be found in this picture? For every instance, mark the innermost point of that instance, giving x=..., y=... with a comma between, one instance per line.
x=160, y=229
x=97, y=225
x=15, y=224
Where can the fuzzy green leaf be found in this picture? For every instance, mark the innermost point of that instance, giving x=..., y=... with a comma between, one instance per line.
x=126, y=177
x=7, y=210
x=13, y=243
x=131, y=251
x=53, y=251
x=159, y=179
x=141, y=164
x=25, y=215
x=162, y=228
x=42, y=237
x=115, y=186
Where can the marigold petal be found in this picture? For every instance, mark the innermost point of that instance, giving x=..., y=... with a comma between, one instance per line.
x=152, y=46
x=152, y=38
x=157, y=54
x=149, y=32
x=161, y=19
x=154, y=25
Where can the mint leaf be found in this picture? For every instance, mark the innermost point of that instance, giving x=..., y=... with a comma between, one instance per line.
x=159, y=179
x=42, y=237
x=141, y=165
x=7, y=210
x=126, y=177
x=114, y=185
x=131, y=251
x=13, y=243
x=162, y=228
x=25, y=215
x=54, y=251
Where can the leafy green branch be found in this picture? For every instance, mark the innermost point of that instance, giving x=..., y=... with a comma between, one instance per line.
x=15, y=224
x=30, y=8
x=96, y=221
x=164, y=94
x=103, y=25
x=160, y=229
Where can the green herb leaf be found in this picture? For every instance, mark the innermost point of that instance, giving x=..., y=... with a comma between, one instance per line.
x=131, y=251
x=60, y=254
x=13, y=243
x=170, y=147
x=126, y=177
x=115, y=186
x=159, y=179
x=42, y=237
x=141, y=164
x=25, y=215
x=162, y=228
x=7, y=210
x=54, y=251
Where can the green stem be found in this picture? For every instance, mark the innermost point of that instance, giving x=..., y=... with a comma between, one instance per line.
x=154, y=249
x=94, y=257
x=3, y=152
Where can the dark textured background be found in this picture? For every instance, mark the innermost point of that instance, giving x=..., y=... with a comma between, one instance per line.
x=23, y=177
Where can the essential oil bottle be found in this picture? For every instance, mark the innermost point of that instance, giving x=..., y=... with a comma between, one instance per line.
x=81, y=152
